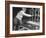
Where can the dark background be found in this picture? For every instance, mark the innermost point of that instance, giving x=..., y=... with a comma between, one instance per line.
x=28, y=11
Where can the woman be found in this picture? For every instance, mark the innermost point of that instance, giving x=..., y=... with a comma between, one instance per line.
x=19, y=16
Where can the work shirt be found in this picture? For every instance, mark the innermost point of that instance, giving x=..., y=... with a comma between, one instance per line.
x=20, y=15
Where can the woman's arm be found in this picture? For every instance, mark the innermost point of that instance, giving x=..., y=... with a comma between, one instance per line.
x=28, y=15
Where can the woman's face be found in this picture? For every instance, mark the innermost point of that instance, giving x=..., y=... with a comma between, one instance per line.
x=24, y=9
